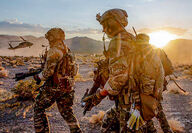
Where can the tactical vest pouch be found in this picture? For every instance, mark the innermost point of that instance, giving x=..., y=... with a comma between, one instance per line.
x=71, y=68
x=149, y=106
x=67, y=66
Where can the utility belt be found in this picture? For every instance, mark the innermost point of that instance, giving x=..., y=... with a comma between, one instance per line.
x=128, y=97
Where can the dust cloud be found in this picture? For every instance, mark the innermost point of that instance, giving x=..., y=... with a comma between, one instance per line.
x=179, y=51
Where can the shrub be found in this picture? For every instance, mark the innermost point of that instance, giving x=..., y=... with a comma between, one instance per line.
x=79, y=77
x=5, y=95
x=3, y=72
x=176, y=126
x=176, y=90
x=97, y=118
x=26, y=90
x=188, y=71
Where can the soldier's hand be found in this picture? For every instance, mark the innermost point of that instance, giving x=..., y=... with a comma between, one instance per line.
x=94, y=99
x=87, y=98
x=88, y=103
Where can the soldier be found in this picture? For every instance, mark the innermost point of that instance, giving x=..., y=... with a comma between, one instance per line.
x=110, y=119
x=130, y=72
x=58, y=76
x=142, y=42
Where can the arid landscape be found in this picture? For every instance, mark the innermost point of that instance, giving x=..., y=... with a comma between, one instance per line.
x=16, y=98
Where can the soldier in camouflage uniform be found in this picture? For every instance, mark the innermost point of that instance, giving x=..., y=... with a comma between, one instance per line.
x=125, y=71
x=110, y=121
x=143, y=42
x=58, y=86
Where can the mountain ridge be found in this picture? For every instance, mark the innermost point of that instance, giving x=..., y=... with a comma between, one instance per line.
x=76, y=44
x=178, y=50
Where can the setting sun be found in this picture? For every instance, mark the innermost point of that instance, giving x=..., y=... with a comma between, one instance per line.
x=161, y=38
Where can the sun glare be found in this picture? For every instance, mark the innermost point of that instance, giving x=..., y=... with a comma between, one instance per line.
x=161, y=38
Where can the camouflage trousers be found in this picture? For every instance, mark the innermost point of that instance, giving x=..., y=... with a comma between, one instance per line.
x=47, y=96
x=111, y=122
x=162, y=120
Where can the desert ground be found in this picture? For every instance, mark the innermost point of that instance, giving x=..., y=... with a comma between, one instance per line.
x=16, y=115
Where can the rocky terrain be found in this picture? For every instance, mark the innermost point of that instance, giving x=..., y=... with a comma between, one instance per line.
x=17, y=116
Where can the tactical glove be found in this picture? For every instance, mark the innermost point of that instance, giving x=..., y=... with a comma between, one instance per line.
x=95, y=98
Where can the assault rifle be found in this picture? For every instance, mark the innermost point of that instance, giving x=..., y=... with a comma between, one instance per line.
x=88, y=105
x=99, y=80
x=32, y=72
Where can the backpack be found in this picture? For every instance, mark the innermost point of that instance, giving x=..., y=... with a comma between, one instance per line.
x=167, y=65
x=150, y=78
x=67, y=65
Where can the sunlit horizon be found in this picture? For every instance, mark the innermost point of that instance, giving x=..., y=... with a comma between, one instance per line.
x=161, y=38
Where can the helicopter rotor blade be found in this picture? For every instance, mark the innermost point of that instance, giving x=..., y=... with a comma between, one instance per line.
x=22, y=38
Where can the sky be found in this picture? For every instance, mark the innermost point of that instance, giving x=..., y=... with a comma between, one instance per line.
x=77, y=17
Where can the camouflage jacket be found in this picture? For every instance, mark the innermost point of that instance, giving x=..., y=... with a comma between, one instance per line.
x=129, y=66
x=116, y=53
x=54, y=56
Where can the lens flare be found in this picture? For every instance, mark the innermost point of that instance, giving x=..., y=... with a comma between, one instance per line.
x=161, y=38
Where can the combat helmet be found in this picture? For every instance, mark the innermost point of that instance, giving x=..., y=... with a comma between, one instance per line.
x=118, y=15
x=143, y=37
x=55, y=34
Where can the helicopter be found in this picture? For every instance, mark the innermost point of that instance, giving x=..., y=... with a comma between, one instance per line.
x=23, y=44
